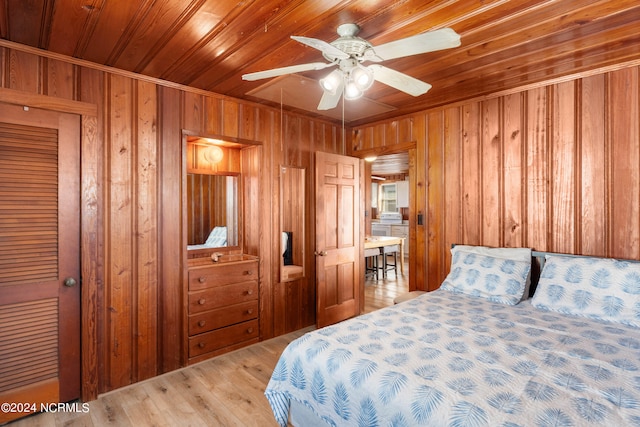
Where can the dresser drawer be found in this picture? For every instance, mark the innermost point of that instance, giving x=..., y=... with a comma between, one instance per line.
x=222, y=274
x=221, y=317
x=222, y=296
x=224, y=337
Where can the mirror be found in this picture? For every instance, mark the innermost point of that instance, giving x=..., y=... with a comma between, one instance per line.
x=212, y=198
x=212, y=211
x=292, y=223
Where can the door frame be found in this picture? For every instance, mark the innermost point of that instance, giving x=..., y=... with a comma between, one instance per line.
x=90, y=212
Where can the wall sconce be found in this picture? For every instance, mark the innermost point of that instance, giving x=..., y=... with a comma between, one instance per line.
x=213, y=154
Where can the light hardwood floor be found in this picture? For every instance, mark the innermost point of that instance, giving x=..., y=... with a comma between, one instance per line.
x=380, y=293
x=224, y=391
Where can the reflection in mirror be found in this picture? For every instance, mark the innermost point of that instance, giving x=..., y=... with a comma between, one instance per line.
x=212, y=211
x=292, y=222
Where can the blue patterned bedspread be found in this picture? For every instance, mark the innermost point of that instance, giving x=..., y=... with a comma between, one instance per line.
x=447, y=359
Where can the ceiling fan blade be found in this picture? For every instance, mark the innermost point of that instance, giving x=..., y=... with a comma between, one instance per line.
x=399, y=80
x=322, y=46
x=285, y=70
x=430, y=41
x=329, y=100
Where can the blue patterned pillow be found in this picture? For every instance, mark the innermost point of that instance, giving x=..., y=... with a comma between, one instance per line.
x=517, y=254
x=598, y=288
x=496, y=279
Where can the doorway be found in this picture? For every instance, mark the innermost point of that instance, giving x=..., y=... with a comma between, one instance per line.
x=390, y=203
x=39, y=257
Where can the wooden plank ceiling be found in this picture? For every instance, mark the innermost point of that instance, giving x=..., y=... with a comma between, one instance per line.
x=209, y=44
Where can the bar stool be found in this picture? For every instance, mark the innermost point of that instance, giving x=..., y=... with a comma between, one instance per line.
x=371, y=262
x=386, y=265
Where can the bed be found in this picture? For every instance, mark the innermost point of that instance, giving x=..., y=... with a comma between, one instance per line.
x=478, y=351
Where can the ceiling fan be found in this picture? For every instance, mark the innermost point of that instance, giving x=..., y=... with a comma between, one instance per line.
x=349, y=52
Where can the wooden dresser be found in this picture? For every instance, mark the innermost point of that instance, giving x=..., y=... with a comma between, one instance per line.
x=222, y=305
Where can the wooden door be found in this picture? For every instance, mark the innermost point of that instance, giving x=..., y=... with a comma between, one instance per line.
x=39, y=258
x=338, y=239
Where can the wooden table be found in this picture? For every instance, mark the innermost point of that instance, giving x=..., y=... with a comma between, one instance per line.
x=380, y=241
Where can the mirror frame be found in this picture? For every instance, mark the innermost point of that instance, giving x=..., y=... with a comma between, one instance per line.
x=188, y=137
x=298, y=269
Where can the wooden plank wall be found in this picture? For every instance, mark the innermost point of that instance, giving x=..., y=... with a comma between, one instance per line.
x=554, y=168
x=135, y=269
x=301, y=293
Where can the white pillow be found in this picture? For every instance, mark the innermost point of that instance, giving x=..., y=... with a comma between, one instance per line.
x=517, y=254
x=598, y=288
x=493, y=278
x=217, y=238
x=283, y=242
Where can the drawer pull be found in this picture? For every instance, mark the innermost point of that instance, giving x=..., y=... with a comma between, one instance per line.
x=250, y=292
x=250, y=330
x=201, y=301
x=202, y=279
x=248, y=272
x=250, y=311
x=201, y=323
x=201, y=344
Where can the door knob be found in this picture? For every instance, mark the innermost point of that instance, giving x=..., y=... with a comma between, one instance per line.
x=69, y=282
x=321, y=253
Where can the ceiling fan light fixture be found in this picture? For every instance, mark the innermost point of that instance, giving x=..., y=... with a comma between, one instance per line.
x=331, y=83
x=352, y=91
x=349, y=51
x=362, y=77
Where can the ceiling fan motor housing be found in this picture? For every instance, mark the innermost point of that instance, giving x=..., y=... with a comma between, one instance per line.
x=349, y=43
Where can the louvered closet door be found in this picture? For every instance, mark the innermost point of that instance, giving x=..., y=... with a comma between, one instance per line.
x=39, y=258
